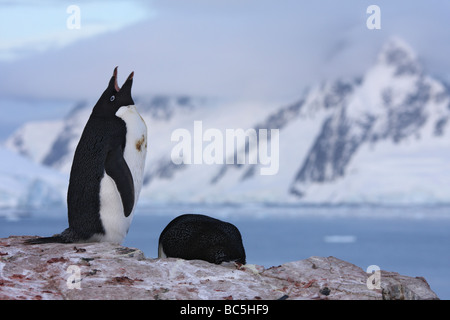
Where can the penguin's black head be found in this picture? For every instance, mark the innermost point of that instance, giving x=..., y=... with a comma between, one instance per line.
x=114, y=97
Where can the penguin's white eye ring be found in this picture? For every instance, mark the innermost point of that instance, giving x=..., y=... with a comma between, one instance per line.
x=112, y=98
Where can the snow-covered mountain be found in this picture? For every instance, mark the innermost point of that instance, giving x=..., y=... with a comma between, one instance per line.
x=381, y=138
x=387, y=139
x=25, y=184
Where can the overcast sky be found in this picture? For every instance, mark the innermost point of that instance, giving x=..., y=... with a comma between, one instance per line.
x=252, y=49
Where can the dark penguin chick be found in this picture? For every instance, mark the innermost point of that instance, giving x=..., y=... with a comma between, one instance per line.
x=199, y=237
x=107, y=170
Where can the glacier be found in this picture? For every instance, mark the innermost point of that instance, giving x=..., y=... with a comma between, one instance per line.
x=380, y=138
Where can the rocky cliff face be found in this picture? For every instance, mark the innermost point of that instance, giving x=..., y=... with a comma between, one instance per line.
x=394, y=103
x=107, y=271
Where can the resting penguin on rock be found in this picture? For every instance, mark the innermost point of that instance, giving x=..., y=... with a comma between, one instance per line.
x=195, y=236
x=107, y=170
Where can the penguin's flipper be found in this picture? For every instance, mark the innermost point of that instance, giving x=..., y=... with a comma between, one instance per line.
x=117, y=168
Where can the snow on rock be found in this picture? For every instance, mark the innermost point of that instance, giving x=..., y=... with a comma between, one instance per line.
x=26, y=184
x=107, y=271
x=34, y=139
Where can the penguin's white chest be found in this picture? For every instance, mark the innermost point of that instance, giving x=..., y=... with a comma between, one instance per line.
x=114, y=222
x=136, y=145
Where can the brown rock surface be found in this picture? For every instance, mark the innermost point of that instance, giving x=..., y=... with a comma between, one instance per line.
x=107, y=271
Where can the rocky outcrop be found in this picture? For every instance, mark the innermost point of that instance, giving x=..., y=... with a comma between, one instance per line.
x=107, y=271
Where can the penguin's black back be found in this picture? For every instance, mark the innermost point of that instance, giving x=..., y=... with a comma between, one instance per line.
x=195, y=236
x=99, y=151
x=100, y=137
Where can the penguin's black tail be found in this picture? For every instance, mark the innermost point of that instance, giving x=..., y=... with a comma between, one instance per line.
x=41, y=240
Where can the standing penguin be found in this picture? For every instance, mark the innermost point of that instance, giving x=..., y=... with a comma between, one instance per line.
x=196, y=236
x=107, y=170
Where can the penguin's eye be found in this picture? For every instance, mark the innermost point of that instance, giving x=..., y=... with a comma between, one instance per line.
x=112, y=98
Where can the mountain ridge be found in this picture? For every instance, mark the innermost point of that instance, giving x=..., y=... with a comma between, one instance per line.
x=330, y=138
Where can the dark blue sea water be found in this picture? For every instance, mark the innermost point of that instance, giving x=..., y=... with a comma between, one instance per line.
x=413, y=241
